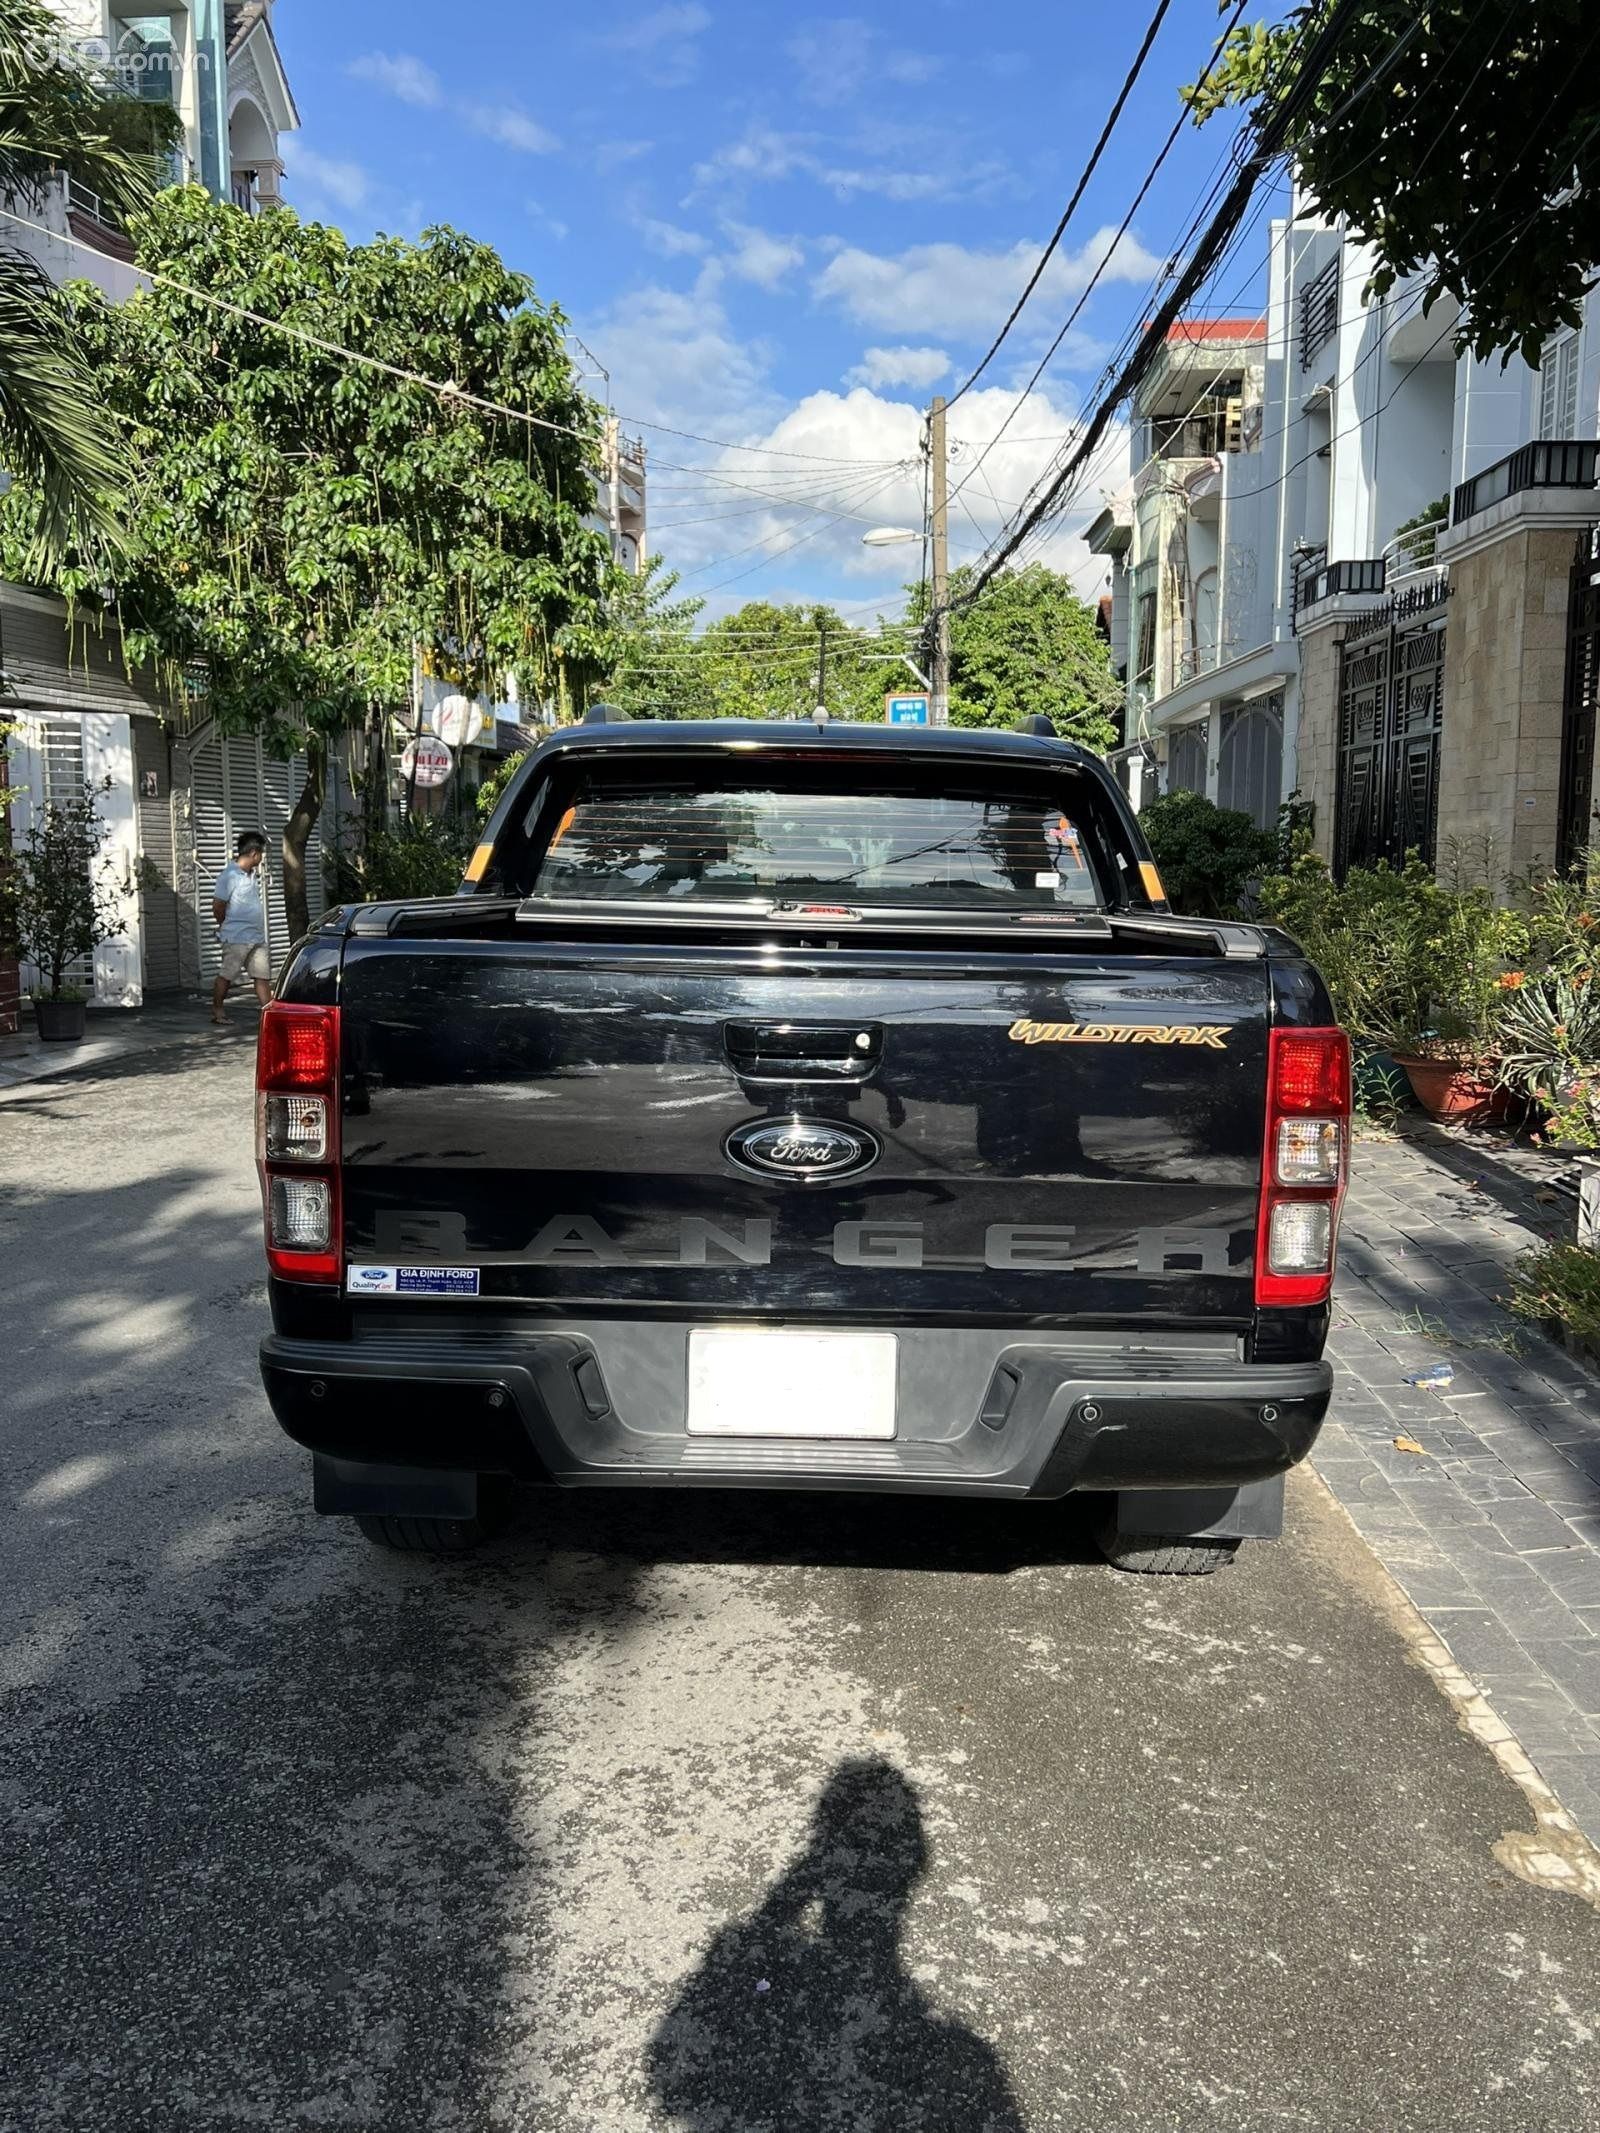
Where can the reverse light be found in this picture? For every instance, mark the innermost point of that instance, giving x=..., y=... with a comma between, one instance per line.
x=1305, y=1161
x=1300, y=1238
x=300, y=1214
x=297, y=1124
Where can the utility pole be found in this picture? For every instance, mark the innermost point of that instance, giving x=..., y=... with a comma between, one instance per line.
x=939, y=530
x=822, y=662
x=613, y=451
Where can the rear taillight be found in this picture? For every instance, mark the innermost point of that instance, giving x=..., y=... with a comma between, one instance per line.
x=297, y=1140
x=1305, y=1162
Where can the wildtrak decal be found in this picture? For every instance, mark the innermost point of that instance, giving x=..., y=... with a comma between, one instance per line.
x=1213, y=1035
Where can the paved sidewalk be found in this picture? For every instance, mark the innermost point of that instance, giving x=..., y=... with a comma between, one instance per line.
x=120, y=1033
x=1493, y=1526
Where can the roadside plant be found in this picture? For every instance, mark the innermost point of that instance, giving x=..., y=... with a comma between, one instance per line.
x=1560, y=1282
x=1414, y=965
x=1549, y=1037
x=1208, y=855
x=421, y=855
x=57, y=901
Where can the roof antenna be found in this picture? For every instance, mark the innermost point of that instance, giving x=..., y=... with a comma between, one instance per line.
x=821, y=716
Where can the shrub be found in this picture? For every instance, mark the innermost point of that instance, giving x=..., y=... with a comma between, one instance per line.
x=423, y=855
x=1208, y=855
x=1559, y=1281
x=1412, y=965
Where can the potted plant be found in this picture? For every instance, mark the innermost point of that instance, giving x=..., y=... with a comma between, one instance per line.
x=1443, y=1024
x=57, y=905
x=1550, y=1051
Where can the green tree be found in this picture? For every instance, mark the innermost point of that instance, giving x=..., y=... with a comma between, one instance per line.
x=306, y=524
x=1461, y=142
x=1029, y=644
x=760, y=662
x=56, y=115
x=651, y=670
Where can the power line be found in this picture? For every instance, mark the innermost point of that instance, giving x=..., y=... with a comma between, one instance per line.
x=1094, y=280
x=1271, y=135
x=1089, y=169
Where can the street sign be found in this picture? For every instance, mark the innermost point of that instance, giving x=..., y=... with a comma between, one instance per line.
x=457, y=721
x=905, y=710
x=426, y=761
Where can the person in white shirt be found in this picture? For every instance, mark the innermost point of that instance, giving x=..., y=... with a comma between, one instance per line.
x=241, y=920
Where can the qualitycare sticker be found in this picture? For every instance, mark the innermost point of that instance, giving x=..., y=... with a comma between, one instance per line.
x=411, y=1281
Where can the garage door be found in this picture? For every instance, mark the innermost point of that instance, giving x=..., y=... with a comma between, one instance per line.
x=236, y=787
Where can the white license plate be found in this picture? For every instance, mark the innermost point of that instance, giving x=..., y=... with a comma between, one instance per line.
x=770, y=1382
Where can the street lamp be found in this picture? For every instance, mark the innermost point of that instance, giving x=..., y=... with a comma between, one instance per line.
x=888, y=536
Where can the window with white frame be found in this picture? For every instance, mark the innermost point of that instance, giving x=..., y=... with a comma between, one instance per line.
x=1558, y=387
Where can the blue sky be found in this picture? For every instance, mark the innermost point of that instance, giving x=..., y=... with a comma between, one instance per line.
x=780, y=229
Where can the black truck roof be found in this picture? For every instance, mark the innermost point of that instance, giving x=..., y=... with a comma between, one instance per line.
x=757, y=734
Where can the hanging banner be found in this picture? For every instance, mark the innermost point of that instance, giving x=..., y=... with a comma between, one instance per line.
x=426, y=762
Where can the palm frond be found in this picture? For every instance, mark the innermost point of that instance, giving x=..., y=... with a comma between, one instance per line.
x=55, y=434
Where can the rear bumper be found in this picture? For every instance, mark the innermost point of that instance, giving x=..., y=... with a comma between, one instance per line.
x=981, y=1412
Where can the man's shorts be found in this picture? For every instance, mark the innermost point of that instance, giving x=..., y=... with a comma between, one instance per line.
x=246, y=959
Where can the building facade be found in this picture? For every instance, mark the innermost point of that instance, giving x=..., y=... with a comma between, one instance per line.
x=179, y=790
x=1403, y=631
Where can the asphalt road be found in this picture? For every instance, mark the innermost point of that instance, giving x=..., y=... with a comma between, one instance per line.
x=721, y=1815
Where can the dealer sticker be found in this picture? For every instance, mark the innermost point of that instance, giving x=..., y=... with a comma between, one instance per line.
x=411, y=1281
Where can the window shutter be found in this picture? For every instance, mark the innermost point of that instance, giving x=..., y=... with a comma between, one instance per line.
x=1558, y=387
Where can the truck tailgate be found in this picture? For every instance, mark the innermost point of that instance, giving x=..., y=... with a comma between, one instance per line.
x=1038, y=1139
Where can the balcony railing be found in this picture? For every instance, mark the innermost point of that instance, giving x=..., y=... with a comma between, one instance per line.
x=1568, y=464
x=1322, y=583
x=1319, y=312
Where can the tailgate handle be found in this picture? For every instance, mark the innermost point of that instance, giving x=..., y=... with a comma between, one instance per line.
x=804, y=1051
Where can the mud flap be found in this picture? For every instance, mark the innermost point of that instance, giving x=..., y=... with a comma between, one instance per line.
x=1254, y=1512
x=345, y=1487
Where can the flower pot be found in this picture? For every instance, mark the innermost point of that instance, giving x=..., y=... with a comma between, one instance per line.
x=60, y=1021
x=1446, y=1090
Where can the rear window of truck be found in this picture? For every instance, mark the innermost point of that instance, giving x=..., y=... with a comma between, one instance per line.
x=1015, y=848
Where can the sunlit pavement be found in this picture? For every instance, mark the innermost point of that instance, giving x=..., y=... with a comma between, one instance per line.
x=719, y=1814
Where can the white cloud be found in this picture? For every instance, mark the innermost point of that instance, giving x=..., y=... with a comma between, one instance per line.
x=967, y=290
x=899, y=366
x=558, y=229
x=344, y=185
x=665, y=44
x=510, y=127
x=764, y=156
x=669, y=240
x=611, y=155
x=837, y=61
x=674, y=358
x=401, y=75
x=760, y=257
x=854, y=459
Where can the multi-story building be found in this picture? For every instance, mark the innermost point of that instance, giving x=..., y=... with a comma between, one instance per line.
x=1404, y=630
x=179, y=789
x=217, y=63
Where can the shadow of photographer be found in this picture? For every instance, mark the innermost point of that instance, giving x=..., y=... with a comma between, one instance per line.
x=802, y=2013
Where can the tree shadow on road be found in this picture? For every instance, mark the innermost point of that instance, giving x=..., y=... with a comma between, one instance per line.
x=802, y=2014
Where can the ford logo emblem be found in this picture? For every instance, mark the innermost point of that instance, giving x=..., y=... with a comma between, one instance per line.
x=806, y=1150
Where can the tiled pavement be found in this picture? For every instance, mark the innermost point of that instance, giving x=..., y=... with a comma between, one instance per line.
x=1493, y=1528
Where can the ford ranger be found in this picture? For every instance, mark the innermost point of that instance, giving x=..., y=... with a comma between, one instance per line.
x=809, y=1107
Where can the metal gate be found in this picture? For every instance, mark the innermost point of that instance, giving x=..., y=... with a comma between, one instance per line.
x=1575, y=829
x=236, y=787
x=1391, y=689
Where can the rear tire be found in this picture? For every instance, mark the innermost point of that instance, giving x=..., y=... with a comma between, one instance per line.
x=1165, y=1555
x=441, y=1536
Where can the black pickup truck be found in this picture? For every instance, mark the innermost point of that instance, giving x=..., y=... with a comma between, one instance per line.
x=803, y=1107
